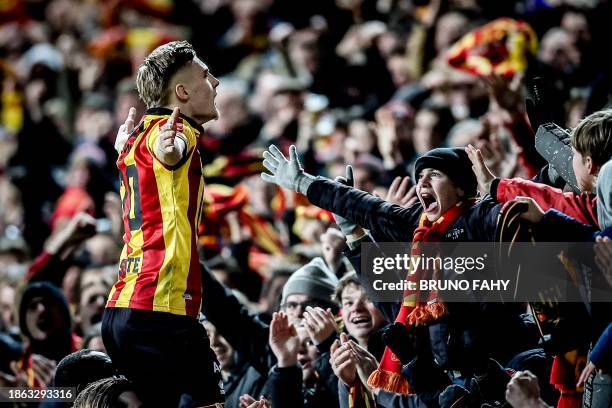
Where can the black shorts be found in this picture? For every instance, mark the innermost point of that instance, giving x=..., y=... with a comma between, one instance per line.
x=166, y=356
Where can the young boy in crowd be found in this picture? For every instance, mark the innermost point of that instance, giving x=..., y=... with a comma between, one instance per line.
x=592, y=147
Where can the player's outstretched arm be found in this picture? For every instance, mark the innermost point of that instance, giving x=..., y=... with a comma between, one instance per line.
x=171, y=143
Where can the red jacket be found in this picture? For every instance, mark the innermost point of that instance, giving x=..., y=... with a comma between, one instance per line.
x=582, y=207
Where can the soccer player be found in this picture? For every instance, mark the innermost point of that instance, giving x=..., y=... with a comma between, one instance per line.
x=150, y=326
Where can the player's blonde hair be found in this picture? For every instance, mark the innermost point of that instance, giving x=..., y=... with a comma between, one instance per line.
x=158, y=68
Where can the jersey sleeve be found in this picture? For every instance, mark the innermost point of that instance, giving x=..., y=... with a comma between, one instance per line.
x=184, y=131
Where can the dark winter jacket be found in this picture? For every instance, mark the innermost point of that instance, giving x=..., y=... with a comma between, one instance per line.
x=244, y=379
x=559, y=227
x=248, y=335
x=389, y=222
x=285, y=388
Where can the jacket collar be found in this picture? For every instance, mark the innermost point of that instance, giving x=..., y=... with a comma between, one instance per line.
x=167, y=112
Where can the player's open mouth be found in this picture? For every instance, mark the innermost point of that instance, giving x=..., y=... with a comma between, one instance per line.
x=429, y=202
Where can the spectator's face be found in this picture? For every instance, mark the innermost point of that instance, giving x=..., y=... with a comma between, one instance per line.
x=558, y=50
x=274, y=292
x=232, y=108
x=363, y=180
x=303, y=49
x=359, y=314
x=201, y=88
x=577, y=26
x=449, y=29
x=523, y=389
x=123, y=104
x=424, y=135
x=295, y=305
x=43, y=317
x=399, y=70
x=7, y=311
x=307, y=354
x=102, y=249
x=222, y=349
x=436, y=192
x=583, y=168
x=94, y=289
x=129, y=399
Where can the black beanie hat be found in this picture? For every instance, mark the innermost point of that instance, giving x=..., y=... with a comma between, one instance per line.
x=454, y=162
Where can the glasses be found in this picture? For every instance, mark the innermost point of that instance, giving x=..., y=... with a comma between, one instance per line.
x=292, y=306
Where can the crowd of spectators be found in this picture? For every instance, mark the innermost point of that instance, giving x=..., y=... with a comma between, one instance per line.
x=371, y=83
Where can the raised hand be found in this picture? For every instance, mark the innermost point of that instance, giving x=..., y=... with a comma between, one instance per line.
x=483, y=174
x=125, y=130
x=286, y=173
x=343, y=360
x=168, y=151
x=246, y=401
x=80, y=227
x=386, y=137
x=400, y=194
x=43, y=368
x=505, y=93
x=284, y=340
x=319, y=323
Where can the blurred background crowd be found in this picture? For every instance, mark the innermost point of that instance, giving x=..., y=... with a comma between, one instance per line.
x=372, y=83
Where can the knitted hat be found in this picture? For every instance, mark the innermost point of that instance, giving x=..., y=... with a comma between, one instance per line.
x=454, y=162
x=313, y=279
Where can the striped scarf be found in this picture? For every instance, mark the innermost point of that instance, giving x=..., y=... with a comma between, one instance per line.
x=413, y=312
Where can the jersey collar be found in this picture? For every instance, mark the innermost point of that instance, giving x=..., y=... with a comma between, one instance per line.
x=168, y=112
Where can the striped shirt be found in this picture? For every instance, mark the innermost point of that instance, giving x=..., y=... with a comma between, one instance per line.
x=159, y=265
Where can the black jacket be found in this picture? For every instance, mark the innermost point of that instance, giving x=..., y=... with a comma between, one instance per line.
x=285, y=388
x=389, y=222
x=243, y=380
x=248, y=335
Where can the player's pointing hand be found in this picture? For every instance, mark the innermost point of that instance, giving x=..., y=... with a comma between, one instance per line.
x=168, y=133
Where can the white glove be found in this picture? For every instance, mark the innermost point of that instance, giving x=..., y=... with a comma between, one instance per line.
x=286, y=173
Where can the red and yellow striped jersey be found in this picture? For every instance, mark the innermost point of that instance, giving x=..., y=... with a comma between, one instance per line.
x=159, y=266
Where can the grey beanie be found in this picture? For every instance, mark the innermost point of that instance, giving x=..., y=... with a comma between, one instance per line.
x=313, y=279
x=604, y=196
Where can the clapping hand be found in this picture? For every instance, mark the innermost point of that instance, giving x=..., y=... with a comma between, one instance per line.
x=343, y=360
x=319, y=323
x=284, y=340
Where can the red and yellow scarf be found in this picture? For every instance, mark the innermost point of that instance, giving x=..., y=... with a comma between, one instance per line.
x=413, y=312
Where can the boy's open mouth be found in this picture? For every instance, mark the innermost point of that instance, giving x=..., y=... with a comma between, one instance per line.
x=429, y=202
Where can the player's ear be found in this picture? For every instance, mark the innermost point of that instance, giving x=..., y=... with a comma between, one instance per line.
x=181, y=92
